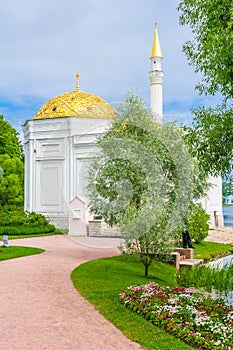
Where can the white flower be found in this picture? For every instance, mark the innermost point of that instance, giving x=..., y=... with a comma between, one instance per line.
x=218, y=343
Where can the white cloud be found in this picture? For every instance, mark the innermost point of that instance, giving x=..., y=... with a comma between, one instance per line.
x=44, y=43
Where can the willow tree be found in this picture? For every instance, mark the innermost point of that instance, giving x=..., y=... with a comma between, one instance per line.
x=142, y=180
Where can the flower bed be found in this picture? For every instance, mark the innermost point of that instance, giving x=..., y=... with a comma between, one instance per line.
x=199, y=321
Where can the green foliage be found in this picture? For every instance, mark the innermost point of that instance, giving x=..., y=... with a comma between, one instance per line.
x=33, y=218
x=9, y=140
x=210, y=139
x=11, y=216
x=148, y=248
x=26, y=230
x=227, y=187
x=11, y=165
x=197, y=222
x=132, y=107
x=17, y=222
x=143, y=179
x=11, y=180
x=207, y=277
x=210, y=52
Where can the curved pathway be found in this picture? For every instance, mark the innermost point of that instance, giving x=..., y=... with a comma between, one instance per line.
x=41, y=310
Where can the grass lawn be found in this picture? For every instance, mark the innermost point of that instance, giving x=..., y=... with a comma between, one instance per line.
x=16, y=252
x=211, y=250
x=100, y=281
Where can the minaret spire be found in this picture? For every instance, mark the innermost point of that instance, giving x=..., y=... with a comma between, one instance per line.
x=156, y=48
x=156, y=79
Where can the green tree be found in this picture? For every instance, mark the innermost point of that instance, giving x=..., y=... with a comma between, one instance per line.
x=210, y=51
x=227, y=187
x=197, y=222
x=11, y=180
x=211, y=139
x=9, y=140
x=142, y=180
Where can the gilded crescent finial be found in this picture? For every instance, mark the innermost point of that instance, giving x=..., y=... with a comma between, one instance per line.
x=77, y=81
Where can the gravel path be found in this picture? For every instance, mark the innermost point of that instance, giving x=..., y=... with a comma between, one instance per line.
x=41, y=310
x=222, y=235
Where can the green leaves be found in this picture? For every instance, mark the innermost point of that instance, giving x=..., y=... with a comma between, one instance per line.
x=143, y=171
x=143, y=180
x=211, y=139
x=210, y=52
x=11, y=180
x=11, y=165
x=197, y=223
x=227, y=187
x=9, y=140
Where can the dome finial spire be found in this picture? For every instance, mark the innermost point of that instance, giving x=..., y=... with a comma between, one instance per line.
x=77, y=81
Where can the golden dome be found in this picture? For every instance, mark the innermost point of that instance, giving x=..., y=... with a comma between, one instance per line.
x=76, y=104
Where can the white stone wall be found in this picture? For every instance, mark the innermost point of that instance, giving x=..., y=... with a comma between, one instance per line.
x=57, y=154
x=212, y=203
x=100, y=228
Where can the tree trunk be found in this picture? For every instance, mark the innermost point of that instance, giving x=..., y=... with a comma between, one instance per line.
x=146, y=270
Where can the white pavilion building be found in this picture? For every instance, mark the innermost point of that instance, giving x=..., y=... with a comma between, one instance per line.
x=60, y=142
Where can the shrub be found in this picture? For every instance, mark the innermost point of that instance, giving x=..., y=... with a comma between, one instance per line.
x=15, y=221
x=197, y=220
x=12, y=215
x=26, y=230
x=10, y=230
x=35, y=219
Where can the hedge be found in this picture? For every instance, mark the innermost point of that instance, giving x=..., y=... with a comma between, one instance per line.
x=26, y=230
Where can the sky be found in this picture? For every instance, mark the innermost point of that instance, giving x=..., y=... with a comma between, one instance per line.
x=44, y=43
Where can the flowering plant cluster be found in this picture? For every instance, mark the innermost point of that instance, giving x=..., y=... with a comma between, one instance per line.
x=202, y=322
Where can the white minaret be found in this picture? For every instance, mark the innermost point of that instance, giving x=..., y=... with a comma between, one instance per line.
x=156, y=79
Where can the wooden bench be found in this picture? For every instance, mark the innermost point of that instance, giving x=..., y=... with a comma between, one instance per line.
x=185, y=257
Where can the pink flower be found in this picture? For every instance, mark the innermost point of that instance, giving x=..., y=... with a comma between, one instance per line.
x=192, y=333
